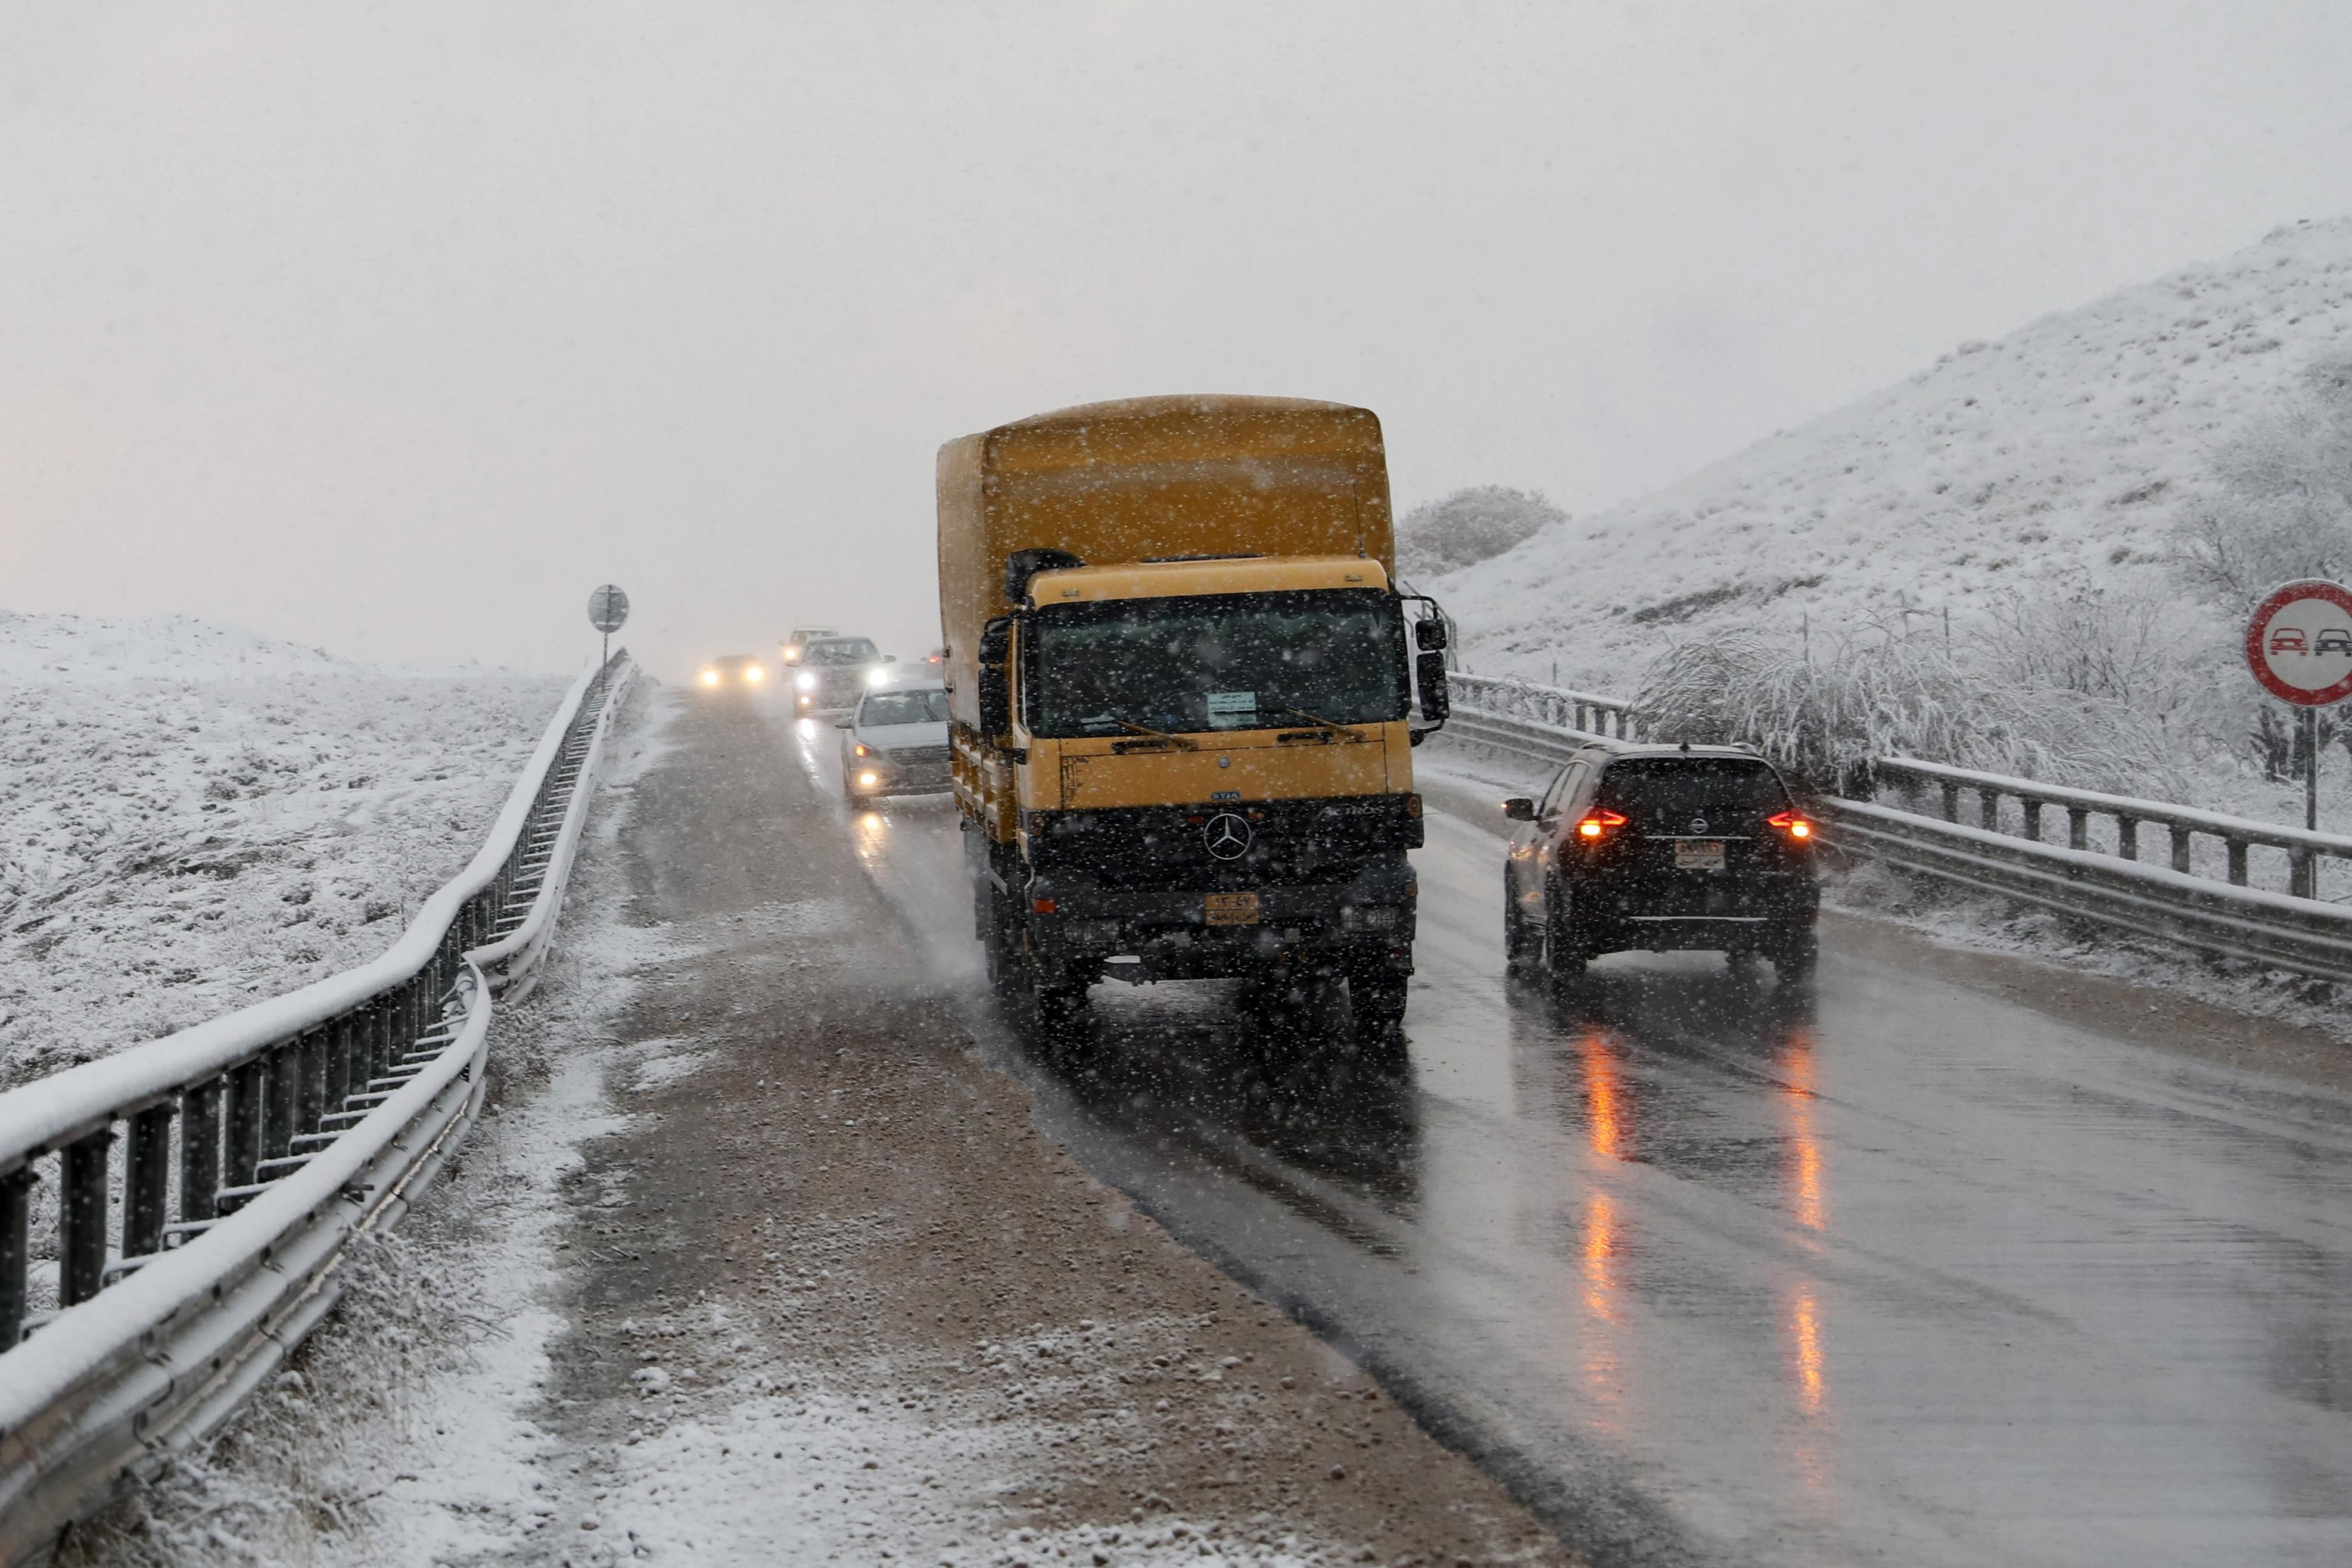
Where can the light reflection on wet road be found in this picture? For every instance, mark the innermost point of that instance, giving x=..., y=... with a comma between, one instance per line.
x=1713, y=1272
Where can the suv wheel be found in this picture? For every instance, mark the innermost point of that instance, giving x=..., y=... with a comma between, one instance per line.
x=1797, y=956
x=1522, y=946
x=1565, y=952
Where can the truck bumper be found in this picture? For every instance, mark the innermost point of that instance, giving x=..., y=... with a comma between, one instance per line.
x=1079, y=930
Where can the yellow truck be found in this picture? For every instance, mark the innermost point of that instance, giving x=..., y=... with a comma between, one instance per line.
x=1180, y=695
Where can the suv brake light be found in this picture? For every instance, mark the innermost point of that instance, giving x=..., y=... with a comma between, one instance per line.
x=1790, y=823
x=1599, y=823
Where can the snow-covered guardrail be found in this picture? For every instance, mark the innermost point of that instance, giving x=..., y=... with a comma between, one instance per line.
x=2292, y=930
x=1552, y=706
x=275, y=1136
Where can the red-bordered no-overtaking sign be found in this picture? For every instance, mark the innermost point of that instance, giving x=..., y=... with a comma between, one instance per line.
x=2299, y=643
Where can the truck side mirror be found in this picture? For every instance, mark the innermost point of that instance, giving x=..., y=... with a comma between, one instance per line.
x=1429, y=634
x=995, y=693
x=889, y=659
x=1519, y=808
x=1429, y=676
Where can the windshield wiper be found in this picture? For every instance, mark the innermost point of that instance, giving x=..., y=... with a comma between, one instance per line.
x=1348, y=730
x=1181, y=741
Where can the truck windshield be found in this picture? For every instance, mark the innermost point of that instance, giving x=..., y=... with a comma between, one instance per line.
x=1224, y=661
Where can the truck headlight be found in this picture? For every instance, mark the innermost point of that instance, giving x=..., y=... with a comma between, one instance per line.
x=1368, y=917
x=709, y=678
x=806, y=680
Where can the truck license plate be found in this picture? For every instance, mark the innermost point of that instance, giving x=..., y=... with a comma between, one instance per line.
x=1231, y=908
x=1698, y=854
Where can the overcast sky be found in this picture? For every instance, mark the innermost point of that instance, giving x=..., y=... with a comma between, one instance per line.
x=397, y=329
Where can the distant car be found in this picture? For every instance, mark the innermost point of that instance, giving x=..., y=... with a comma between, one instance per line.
x=937, y=658
x=2287, y=639
x=895, y=741
x=735, y=671
x=793, y=646
x=1660, y=848
x=2336, y=639
x=834, y=673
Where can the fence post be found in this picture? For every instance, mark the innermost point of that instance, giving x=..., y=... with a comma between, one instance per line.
x=200, y=1118
x=2032, y=818
x=81, y=1217
x=1988, y=809
x=2237, y=861
x=16, y=1255
x=2078, y=827
x=2128, y=836
x=1951, y=800
x=2180, y=846
x=2300, y=865
x=146, y=1180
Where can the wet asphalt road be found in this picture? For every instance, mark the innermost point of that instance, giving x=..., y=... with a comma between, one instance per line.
x=1712, y=1272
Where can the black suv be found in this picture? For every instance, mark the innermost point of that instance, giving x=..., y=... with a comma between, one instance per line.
x=1660, y=848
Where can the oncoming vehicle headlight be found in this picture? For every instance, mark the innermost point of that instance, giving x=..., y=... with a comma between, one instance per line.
x=869, y=780
x=1368, y=917
x=709, y=678
x=806, y=680
x=877, y=678
x=755, y=675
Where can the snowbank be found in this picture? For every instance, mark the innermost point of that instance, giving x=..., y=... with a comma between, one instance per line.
x=192, y=816
x=2059, y=455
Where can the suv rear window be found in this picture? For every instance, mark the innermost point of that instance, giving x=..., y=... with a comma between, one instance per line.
x=1669, y=791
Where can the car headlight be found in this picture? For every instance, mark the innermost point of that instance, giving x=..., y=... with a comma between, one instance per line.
x=806, y=680
x=877, y=678
x=709, y=678
x=791, y=656
x=869, y=780
x=755, y=675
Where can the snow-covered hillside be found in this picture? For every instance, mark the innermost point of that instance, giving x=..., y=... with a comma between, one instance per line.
x=2057, y=456
x=192, y=816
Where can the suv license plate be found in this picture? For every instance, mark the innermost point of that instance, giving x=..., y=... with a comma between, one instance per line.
x=1698, y=854
x=1231, y=908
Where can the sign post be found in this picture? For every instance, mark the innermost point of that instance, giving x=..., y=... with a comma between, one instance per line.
x=2299, y=647
x=608, y=607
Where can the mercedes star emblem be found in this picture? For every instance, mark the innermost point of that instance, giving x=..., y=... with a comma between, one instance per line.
x=1227, y=836
x=1698, y=825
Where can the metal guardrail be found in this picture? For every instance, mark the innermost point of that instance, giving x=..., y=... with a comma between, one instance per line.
x=2184, y=823
x=2290, y=931
x=276, y=1135
x=1555, y=706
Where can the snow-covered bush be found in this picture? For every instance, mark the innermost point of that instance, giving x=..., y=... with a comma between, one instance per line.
x=1823, y=711
x=2280, y=505
x=1469, y=526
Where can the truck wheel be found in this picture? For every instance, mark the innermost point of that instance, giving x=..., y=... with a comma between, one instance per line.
x=856, y=802
x=1378, y=1000
x=1000, y=945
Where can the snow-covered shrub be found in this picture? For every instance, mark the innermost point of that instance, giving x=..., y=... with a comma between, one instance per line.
x=1469, y=526
x=1823, y=713
x=2130, y=644
x=2280, y=506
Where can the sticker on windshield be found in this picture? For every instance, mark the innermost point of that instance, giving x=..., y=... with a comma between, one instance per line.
x=1231, y=709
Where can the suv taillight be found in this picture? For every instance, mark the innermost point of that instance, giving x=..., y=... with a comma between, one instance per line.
x=1596, y=824
x=1790, y=823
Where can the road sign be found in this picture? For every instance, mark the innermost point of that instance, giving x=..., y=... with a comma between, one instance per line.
x=607, y=608
x=2299, y=643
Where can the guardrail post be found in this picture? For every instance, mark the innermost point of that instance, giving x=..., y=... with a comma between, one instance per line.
x=2128, y=836
x=81, y=1217
x=2300, y=865
x=342, y=1048
x=2180, y=846
x=242, y=1142
x=15, y=1253
x=1951, y=802
x=146, y=1180
x=2237, y=861
x=200, y=1122
x=2078, y=827
x=1989, y=810
x=278, y=1099
x=2032, y=818
x=309, y=1081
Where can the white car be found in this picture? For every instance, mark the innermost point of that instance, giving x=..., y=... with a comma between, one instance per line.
x=895, y=741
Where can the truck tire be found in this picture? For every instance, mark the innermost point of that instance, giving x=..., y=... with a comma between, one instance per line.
x=1377, y=998
x=1796, y=956
x=1001, y=944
